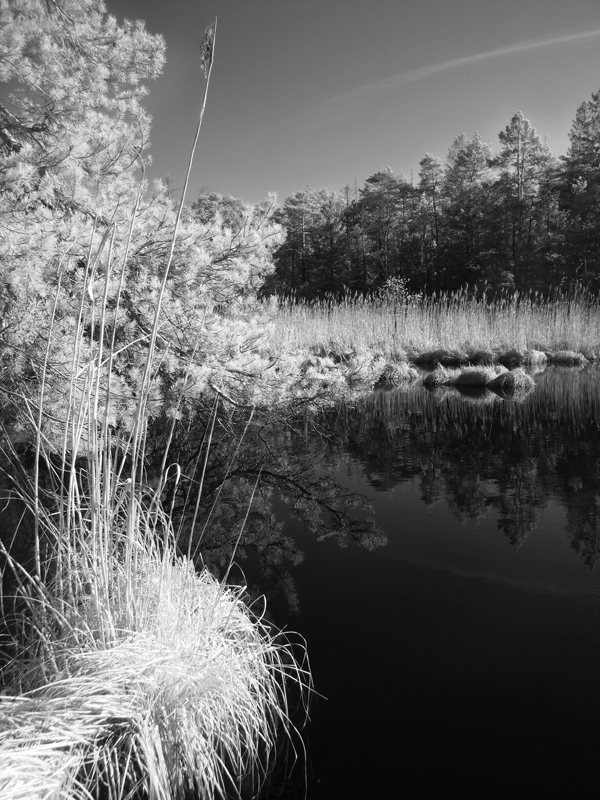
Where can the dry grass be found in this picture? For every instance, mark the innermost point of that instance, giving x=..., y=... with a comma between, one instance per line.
x=187, y=695
x=449, y=329
x=479, y=376
x=396, y=374
x=515, y=380
x=132, y=675
x=568, y=358
x=496, y=378
x=474, y=376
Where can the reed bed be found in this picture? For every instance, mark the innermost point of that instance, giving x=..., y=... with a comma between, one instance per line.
x=458, y=325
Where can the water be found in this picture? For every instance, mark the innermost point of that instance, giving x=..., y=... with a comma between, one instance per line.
x=439, y=554
x=455, y=634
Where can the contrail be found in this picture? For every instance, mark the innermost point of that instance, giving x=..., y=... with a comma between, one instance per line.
x=423, y=72
x=335, y=108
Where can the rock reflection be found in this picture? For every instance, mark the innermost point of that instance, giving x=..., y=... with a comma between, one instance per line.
x=480, y=452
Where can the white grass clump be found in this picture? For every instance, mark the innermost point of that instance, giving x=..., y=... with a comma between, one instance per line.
x=142, y=678
x=439, y=377
x=447, y=357
x=480, y=376
x=568, y=358
x=484, y=357
x=535, y=358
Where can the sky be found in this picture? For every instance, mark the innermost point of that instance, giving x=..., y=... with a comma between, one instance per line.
x=324, y=93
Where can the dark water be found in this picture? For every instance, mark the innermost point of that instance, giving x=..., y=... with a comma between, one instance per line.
x=455, y=633
x=439, y=554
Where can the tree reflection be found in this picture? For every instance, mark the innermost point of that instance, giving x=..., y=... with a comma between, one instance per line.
x=482, y=453
x=252, y=474
x=239, y=482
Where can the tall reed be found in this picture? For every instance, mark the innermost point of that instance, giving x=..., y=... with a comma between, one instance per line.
x=450, y=322
x=131, y=675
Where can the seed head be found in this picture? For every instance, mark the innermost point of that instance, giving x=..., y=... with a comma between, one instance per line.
x=206, y=49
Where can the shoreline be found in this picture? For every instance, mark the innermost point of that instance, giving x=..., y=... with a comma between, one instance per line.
x=327, y=375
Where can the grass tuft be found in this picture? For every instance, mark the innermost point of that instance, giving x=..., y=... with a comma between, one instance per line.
x=439, y=377
x=568, y=358
x=535, y=358
x=188, y=699
x=515, y=380
x=395, y=374
x=133, y=675
x=475, y=376
x=445, y=357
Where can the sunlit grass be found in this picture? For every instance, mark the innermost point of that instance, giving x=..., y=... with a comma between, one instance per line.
x=131, y=674
x=452, y=323
x=137, y=676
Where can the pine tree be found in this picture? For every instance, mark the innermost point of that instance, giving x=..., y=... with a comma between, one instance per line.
x=431, y=177
x=472, y=252
x=71, y=125
x=580, y=193
x=82, y=232
x=525, y=163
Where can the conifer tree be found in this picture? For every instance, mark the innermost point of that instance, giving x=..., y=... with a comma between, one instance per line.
x=72, y=127
x=82, y=232
x=525, y=164
x=580, y=193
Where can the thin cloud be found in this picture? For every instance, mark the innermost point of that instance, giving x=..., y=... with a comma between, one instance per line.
x=424, y=72
x=336, y=108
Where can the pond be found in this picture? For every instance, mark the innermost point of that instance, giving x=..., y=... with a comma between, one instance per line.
x=454, y=636
x=438, y=552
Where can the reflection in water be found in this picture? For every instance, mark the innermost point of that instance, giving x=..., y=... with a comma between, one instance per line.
x=251, y=473
x=454, y=663
x=441, y=670
x=473, y=450
x=476, y=452
x=479, y=452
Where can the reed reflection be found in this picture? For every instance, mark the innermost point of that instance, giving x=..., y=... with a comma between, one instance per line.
x=479, y=452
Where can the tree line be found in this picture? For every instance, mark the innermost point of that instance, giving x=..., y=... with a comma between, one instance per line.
x=521, y=219
x=84, y=237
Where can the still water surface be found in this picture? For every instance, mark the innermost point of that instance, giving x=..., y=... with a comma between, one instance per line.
x=439, y=554
x=455, y=633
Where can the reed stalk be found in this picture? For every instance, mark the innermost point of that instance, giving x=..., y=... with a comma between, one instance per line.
x=450, y=322
x=132, y=675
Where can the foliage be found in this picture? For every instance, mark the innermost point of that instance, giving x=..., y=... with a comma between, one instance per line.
x=85, y=241
x=520, y=219
x=72, y=125
x=580, y=192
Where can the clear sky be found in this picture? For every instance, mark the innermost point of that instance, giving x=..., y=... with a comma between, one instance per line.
x=327, y=92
